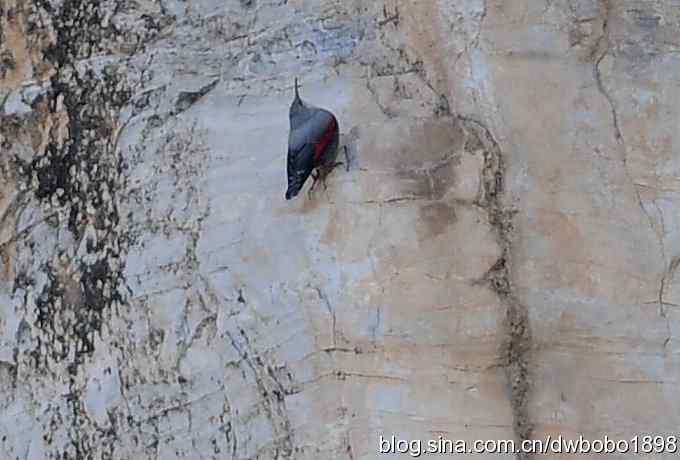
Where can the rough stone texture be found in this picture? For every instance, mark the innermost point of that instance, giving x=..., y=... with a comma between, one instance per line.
x=499, y=261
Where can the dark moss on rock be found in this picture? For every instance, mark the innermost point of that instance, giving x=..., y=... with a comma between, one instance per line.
x=78, y=174
x=81, y=172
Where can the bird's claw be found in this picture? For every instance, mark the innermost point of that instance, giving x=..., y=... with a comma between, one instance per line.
x=321, y=175
x=330, y=168
x=315, y=175
x=346, y=159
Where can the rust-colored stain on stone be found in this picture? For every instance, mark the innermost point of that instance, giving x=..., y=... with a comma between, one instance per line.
x=437, y=217
x=568, y=248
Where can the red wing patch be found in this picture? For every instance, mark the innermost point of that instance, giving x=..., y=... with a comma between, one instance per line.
x=320, y=147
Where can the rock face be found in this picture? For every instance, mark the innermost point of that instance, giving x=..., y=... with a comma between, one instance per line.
x=498, y=260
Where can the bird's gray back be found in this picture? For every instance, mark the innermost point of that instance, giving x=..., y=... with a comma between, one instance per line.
x=307, y=127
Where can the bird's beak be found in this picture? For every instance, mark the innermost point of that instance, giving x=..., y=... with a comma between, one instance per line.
x=292, y=191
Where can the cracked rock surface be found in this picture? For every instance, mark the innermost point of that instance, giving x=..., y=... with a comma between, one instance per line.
x=500, y=260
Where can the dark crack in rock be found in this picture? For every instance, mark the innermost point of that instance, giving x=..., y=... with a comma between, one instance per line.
x=272, y=391
x=515, y=353
x=188, y=98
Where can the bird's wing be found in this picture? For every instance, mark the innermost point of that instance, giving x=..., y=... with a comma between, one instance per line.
x=317, y=130
x=329, y=132
x=300, y=160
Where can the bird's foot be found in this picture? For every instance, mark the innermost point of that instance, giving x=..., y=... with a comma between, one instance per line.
x=333, y=166
x=346, y=159
x=315, y=176
x=326, y=173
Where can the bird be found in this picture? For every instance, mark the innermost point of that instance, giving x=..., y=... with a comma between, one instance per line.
x=312, y=144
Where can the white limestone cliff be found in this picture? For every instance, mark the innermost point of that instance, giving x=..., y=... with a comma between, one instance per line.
x=498, y=261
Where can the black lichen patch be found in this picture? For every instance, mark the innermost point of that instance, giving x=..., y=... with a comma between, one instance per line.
x=10, y=128
x=78, y=175
x=78, y=28
x=74, y=168
x=7, y=63
x=80, y=172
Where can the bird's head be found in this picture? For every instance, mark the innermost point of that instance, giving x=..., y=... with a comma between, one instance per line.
x=294, y=185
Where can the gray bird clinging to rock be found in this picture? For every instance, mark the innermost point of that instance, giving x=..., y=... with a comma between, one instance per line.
x=312, y=144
